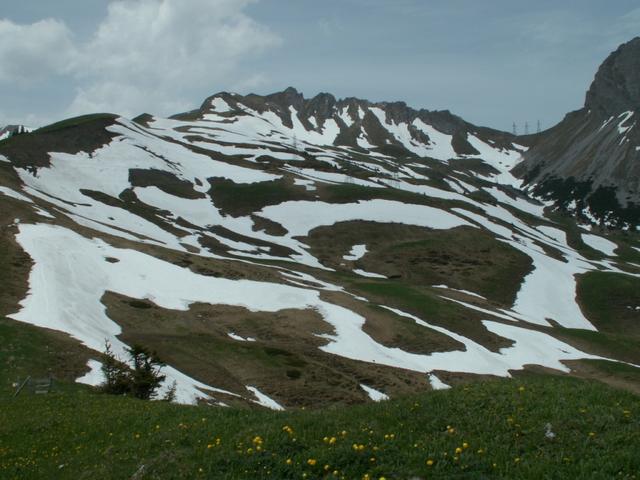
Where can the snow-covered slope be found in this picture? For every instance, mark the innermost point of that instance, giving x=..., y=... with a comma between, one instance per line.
x=267, y=244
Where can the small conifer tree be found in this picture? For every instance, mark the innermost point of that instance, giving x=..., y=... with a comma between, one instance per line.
x=141, y=380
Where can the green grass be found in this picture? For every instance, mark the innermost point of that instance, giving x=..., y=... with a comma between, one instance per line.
x=617, y=369
x=243, y=199
x=467, y=259
x=499, y=426
x=615, y=344
x=399, y=294
x=349, y=193
x=609, y=301
x=75, y=121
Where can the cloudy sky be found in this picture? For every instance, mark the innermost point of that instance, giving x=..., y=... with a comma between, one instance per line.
x=492, y=62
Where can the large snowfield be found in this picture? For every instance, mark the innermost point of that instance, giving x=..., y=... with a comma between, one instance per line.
x=72, y=272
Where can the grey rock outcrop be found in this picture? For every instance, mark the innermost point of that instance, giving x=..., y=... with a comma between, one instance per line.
x=590, y=162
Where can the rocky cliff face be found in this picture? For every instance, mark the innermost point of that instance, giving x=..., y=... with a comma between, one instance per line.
x=392, y=127
x=590, y=162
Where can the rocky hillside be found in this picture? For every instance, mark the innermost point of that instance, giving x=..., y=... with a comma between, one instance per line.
x=11, y=130
x=291, y=252
x=590, y=162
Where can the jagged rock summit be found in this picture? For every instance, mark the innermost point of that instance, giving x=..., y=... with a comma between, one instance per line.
x=590, y=162
x=393, y=127
x=616, y=87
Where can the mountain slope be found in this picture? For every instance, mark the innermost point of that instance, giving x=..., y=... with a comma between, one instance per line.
x=288, y=252
x=590, y=162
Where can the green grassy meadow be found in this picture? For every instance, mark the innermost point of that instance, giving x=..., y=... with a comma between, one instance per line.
x=494, y=429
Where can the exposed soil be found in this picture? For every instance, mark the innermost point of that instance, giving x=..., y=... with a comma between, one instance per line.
x=284, y=362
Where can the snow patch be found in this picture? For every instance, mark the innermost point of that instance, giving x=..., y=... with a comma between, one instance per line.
x=362, y=273
x=15, y=195
x=264, y=400
x=439, y=146
x=356, y=253
x=309, y=185
x=300, y=217
x=436, y=383
x=466, y=292
x=601, y=244
x=375, y=395
x=94, y=376
x=220, y=106
x=239, y=338
x=627, y=115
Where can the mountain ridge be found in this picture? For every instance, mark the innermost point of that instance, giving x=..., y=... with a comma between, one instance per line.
x=311, y=252
x=589, y=163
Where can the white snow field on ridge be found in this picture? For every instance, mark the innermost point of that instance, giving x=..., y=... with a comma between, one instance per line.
x=548, y=292
x=406, y=173
x=225, y=125
x=72, y=273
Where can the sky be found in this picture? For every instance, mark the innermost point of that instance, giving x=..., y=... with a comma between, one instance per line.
x=491, y=62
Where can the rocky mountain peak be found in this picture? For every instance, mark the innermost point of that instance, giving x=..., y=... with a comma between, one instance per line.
x=616, y=87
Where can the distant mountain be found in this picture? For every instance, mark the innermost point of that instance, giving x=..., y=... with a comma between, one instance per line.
x=589, y=163
x=286, y=252
x=387, y=127
x=11, y=130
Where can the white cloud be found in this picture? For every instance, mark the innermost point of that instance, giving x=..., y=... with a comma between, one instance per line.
x=157, y=56
x=149, y=55
x=31, y=53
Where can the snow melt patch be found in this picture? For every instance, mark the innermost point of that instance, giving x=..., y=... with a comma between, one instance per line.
x=220, y=106
x=94, y=376
x=71, y=274
x=239, y=338
x=375, y=395
x=3, y=158
x=436, y=383
x=627, y=115
x=518, y=202
x=356, y=253
x=529, y=347
x=559, y=236
x=309, y=185
x=13, y=194
x=363, y=273
x=466, y=292
x=264, y=400
x=601, y=244
x=300, y=217
x=439, y=146
x=401, y=132
x=549, y=291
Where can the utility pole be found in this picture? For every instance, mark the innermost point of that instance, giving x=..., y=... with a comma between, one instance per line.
x=526, y=128
x=538, y=129
x=515, y=129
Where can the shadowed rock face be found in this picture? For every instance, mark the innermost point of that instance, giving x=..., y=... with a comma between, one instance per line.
x=616, y=87
x=354, y=119
x=596, y=147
